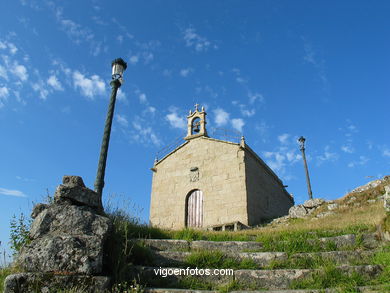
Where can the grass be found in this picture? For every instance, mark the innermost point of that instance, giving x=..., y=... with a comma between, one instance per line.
x=330, y=277
x=218, y=260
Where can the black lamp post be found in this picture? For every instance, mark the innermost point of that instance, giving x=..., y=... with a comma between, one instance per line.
x=301, y=141
x=118, y=67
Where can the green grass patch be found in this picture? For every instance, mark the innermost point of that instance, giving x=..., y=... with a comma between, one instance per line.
x=218, y=260
x=383, y=258
x=330, y=277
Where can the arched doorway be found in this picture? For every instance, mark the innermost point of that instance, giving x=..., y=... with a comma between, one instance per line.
x=194, y=209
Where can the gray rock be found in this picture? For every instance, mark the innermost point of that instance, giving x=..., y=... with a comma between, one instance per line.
x=313, y=203
x=69, y=220
x=332, y=206
x=298, y=211
x=38, y=282
x=77, y=254
x=78, y=195
x=38, y=208
x=386, y=199
x=325, y=214
x=72, y=181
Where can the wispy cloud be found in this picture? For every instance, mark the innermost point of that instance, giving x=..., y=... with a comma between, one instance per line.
x=76, y=32
x=327, y=156
x=360, y=162
x=12, y=192
x=4, y=93
x=196, y=41
x=317, y=62
x=174, y=119
x=122, y=120
x=283, y=138
x=89, y=87
x=238, y=124
x=221, y=117
x=55, y=83
x=144, y=134
x=186, y=71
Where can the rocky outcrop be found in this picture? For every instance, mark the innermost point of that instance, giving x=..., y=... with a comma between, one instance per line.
x=67, y=242
x=386, y=199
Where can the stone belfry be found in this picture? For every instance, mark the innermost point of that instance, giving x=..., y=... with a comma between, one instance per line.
x=196, y=123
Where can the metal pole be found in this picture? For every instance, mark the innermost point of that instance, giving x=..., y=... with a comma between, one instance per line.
x=99, y=182
x=307, y=172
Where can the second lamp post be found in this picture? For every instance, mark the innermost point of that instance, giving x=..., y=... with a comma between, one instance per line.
x=301, y=141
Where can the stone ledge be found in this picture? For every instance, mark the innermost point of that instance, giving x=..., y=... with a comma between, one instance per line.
x=39, y=282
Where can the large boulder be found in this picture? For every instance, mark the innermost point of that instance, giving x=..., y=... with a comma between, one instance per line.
x=67, y=245
x=313, y=203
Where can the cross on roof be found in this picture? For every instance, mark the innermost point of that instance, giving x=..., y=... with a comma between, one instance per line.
x=196, y=107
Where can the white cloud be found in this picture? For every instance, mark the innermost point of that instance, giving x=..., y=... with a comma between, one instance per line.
x=11, y=47
x=142, y=98
x=253, y=97
x=327, y=156
x=175, y=120
x=221, y=117
x=3, y=95
x=144, y=134
x=4, y=92
x=185, y=71
x=199, y=43
x=121, y=119
x=55, y=83
x=39, y=86
x=362, y=161
x=238, y=124
x=89, y=87
x=283, y=138
x=19, y=71
x=121, y=96
x=386, y=153
x=134, y=59
x=3, y=72
x=347, y=149
x=11, y=192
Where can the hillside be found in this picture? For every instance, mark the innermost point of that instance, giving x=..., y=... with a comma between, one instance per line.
x=333, y=246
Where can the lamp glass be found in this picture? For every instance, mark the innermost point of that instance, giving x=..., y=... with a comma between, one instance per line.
x=117, y=70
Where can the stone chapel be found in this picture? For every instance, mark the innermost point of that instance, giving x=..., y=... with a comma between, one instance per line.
x=214, y=184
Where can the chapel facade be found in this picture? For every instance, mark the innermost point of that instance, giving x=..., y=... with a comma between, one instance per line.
x=206, y=183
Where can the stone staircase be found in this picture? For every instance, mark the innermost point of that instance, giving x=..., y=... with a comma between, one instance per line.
x=349, y=256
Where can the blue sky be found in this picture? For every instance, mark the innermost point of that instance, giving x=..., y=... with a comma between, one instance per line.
x=273, y=70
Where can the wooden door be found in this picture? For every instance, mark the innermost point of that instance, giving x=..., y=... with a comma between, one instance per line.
x=195, y=209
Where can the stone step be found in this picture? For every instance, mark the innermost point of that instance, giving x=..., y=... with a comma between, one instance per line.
x=178, y=258
x=261, y=279
x=369, y=241
x=263, y=259
x=366, y=289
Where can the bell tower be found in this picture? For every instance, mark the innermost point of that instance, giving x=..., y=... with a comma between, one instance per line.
x=196, y=123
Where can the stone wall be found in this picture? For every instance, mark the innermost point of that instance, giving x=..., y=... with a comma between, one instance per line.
x=221, y=179
x=267, y=198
